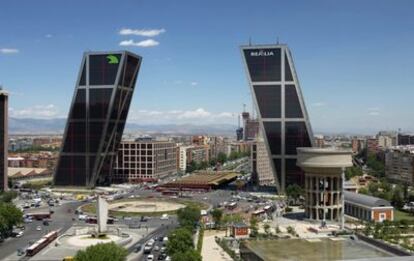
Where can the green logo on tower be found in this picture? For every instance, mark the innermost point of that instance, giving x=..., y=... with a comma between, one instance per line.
x=112, y=59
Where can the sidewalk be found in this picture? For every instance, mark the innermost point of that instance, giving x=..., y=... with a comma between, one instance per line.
x=211, y=250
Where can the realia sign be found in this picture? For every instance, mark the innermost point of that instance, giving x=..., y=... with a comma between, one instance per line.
x=261, y=53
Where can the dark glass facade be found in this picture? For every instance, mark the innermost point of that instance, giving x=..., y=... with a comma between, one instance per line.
x=269, y=100
x=97, y=118
x=3, y=140
x=264, y=64
x=281, y=108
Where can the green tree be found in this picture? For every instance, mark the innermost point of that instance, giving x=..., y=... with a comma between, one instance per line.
x=189, y=216
x=232, y=218
x=8, y=196
x=203, y=165
x=191, y=167
x=254, y=226
x=266, y=228
x=353, y=172
x=291, y=230
x=179, y=241
x=10, y=216
x=294, y=192
x=363, y=191
x=377, y=166
x=102, y=252
x=397, y=199
x=213, y=162
x=217, y=215
x=221, y=157
x=188, y=255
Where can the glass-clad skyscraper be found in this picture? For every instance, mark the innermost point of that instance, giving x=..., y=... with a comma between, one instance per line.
x=281, y=109
x=97, y=118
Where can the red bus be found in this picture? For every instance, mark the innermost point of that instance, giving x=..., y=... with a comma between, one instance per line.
x=39, y=215
x=41, y=243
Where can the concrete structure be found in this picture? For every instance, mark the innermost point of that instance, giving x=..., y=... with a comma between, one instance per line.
x=324, y=176
x=101, y=214
x=368, y=208
x=399, y=164
x=4, y=138
x=144, y=161
x=260, y=163
x=97, y=118
x=281, y=109
x=183, y=157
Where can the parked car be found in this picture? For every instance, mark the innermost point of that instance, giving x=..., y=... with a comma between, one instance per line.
x=150, y=258
x=38, y=228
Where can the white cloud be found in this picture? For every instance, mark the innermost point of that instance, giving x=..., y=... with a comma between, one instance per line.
x=181, y=116
x=194, y=83
x=142, y=32
x=9, y=50
x=37, y=111
x=318, y=104
x=144, y=43
x=374, y=113
x=48, y=35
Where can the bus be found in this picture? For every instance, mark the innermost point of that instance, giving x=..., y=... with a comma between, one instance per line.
x=231, y=205
x=94, y=220
x=41, y=243
x=39, y=215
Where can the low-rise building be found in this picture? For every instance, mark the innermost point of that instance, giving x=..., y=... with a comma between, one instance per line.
x=239, y=230
x=368, y=208
x=18, y=174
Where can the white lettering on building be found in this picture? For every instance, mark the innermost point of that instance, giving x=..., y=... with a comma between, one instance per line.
x=261, y=53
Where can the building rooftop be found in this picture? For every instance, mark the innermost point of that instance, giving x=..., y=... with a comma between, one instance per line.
x=403, y=148
x=27, y=172
x=365, y=200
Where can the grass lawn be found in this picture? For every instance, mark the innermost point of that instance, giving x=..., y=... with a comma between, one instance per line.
x=399, y=215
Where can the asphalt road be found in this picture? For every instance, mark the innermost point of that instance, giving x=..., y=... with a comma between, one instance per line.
x=160, y=231
x=61, y=219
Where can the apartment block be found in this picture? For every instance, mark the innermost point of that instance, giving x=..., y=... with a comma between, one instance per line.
x=144, y=161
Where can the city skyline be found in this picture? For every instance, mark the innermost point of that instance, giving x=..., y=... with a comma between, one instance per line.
x=349, y=55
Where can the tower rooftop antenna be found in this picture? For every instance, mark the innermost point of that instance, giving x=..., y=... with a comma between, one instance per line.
x=277, y=40
x=250, y=41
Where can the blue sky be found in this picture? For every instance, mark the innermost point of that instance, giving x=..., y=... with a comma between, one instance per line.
x=355, y=59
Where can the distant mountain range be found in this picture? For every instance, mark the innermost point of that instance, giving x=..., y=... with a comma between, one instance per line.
x=57, y=125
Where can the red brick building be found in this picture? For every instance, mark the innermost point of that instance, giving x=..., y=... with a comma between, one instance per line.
x=239, y=230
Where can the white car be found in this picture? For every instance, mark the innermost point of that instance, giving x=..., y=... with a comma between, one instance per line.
x=150, y=258
x=164, y=217
x=38, y=228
